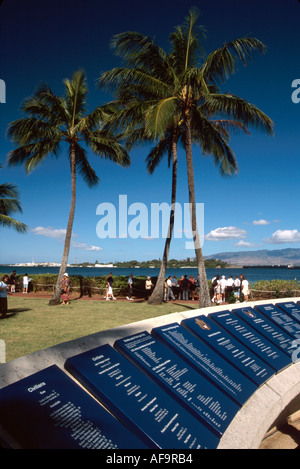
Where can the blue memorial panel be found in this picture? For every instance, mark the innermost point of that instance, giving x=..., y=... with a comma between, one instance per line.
x=48, y=410
x=205, y=360
x=267, y=328
x=139, y=403
x=291, y=308
x=231, y=349
x=279, y=317
x=207, y=402
x=266, y=350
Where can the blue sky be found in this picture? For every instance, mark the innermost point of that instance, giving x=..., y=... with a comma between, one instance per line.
x=43, y=41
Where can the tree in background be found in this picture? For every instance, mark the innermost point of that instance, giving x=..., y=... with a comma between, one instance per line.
x=53, y=121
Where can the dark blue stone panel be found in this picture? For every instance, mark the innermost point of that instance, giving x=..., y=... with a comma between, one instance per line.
x=291, y=308
x=231, y=349
x=199, y=395
x=281, y=319
x=139, y=403
x=252, y=339
x=206, y=361
x=267, y=328
x=48, y=410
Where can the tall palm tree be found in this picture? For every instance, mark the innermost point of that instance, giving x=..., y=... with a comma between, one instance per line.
x=53, y=121
x=9, y=204
x=201, y=105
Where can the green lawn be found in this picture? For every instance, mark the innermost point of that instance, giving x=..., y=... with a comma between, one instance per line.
x=34, y=325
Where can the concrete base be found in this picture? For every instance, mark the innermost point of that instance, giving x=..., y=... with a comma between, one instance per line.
x=270, y=406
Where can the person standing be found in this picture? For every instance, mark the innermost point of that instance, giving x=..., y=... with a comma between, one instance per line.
x=148, y=287
x=130, y=287
x=25, y=283
x=245, y=288
x=109, y=287
x=65, y=289
x=3, y=296
x=13, y=281
x=170, y=293
x=185, y=288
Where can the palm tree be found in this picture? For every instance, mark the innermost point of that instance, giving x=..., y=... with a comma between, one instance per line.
x=53, y=121
x=10, y=203
x=203, y=107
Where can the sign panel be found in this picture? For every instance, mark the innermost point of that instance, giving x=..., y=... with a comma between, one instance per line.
x=207, y=402
x=139, y=403
x=252, y=339
x=291, y=308
x=267, y=328
x=223, y=343
x=48, y=410
x=206, y=361
x=279, y=317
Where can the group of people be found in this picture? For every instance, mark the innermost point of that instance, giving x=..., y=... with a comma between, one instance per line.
x=8, y=284
x=222, y=288
x=181, y=289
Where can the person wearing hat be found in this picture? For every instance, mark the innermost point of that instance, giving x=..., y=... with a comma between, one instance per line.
x=65, y=289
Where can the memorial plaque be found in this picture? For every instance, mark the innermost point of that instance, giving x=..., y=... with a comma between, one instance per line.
x=206, y=361
x=139, y=403
x=198, y=395
x=291, y=308
x=279, y=317
x=230, y=348
x=266, y=328
x=252, y=339
x=48, y=410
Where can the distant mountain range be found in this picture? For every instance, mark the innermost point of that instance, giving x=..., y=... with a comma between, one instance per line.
x=261, y=257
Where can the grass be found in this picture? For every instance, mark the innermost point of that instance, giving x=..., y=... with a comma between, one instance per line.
x=34, y=325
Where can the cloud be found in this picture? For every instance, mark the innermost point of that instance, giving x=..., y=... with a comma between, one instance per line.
x=284, y=236
x=49, y=232
x=261, y=222
x=85, y=247
x=59, y=234
x=227, y=232
x=245, y=244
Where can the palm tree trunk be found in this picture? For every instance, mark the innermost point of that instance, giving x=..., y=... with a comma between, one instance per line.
x=158, y=293
x=57, y=293
x=204, y=290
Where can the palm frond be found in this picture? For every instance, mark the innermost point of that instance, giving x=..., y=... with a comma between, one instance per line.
x=223, y=62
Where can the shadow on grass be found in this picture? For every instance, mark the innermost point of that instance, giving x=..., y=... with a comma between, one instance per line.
x=14, y=311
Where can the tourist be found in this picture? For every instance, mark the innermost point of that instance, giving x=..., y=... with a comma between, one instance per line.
x=214, y=284
x=223, y=284
x=25, y=283
x=4, y=285
x=130, y=286
x=148, y=287
x=170, y=293
x=185, y=288
x=245, y=288
x=65, y=290
x=109, y=287
x=229, y=287
x=13, y=281
x=236, y=287
x=175, y=287
x=179, y=282
x=192, y=287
